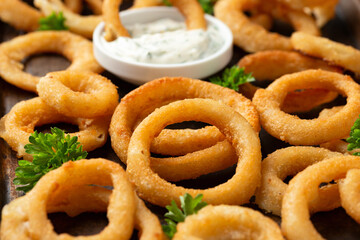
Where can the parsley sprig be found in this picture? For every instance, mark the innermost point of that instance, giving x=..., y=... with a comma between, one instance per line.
x=189, y=206
x=232, y=78
x=207, y=5
x=354, y=139
x=49, y=152
x=53, y=22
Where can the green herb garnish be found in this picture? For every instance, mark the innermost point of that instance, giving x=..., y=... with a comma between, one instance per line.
x=354, y=139
x=232, y=78
x=49, y=152
x=189, y=206
x=167, y=3
x=207, y=5
x=53, y=22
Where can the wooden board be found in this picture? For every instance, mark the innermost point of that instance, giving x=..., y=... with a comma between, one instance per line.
x=332, y=225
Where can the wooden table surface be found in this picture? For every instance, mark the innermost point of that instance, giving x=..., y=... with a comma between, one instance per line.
x=332, y=225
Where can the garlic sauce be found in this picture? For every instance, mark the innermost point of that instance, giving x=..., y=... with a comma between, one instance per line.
x=165, y=41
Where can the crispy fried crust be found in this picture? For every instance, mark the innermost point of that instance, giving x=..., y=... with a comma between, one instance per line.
x=142, y=101
x=296, y=131
x=237, y=190
x=75, y=48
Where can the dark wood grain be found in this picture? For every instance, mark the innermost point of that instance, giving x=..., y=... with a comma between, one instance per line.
x=333, y=225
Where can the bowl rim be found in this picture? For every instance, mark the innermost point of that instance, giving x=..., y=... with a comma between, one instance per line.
x=228, y=40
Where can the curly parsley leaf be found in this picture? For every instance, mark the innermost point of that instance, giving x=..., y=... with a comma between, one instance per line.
x=53, y=22
x=354, y=139
x=232, y=78
x=49, y=152
x=167, y=3
x=207, y=5
x=189, y=206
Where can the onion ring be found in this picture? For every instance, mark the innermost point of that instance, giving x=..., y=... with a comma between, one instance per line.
x=288, y=162
x=324, y=12
x=300, y=4
x=262, y=19
x=78, y=94
x=297, y=18
x=95, y=171
x=303, y=189
x=76, y=5
x=272, y=64
x=82, y=25
x=228, y=222
x=157, y=93
x=336, y=145
x=75, y=48
x=349, y=193
x=19, y=123
x=245, y=140
x=20, y=15
x=191, y=9
x=252, y=37
x=338, y=53
x=71, y=201
x=296, y=131
x=146, y=3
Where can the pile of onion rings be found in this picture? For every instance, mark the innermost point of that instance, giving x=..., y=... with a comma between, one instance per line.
x=71, y=183
x=244, y=139
x=139, y=103
x=75, y=48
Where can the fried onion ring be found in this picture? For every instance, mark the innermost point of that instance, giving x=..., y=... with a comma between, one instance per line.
x=71, y=201
x=336, y=145
x=82, y=25
x=338, y=53
x=121, y=209
x=296, y=131
x=191, y=9
x=272, y=64
x=147, y=3
x=19, y=123
x=20, y=15
x=252, y=37
x=300, y=4
x=228, y=222
x=78, y=94
x=238, y=131
x=303, y=189
x=75, y=48
x=288, y=162
x=157, y=93
x=76, y=5
x=350, y=194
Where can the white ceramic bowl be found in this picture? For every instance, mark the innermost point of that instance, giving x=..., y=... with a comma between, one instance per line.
x=139, y=73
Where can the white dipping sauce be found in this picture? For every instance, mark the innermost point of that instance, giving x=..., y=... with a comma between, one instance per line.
x=165, y=41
